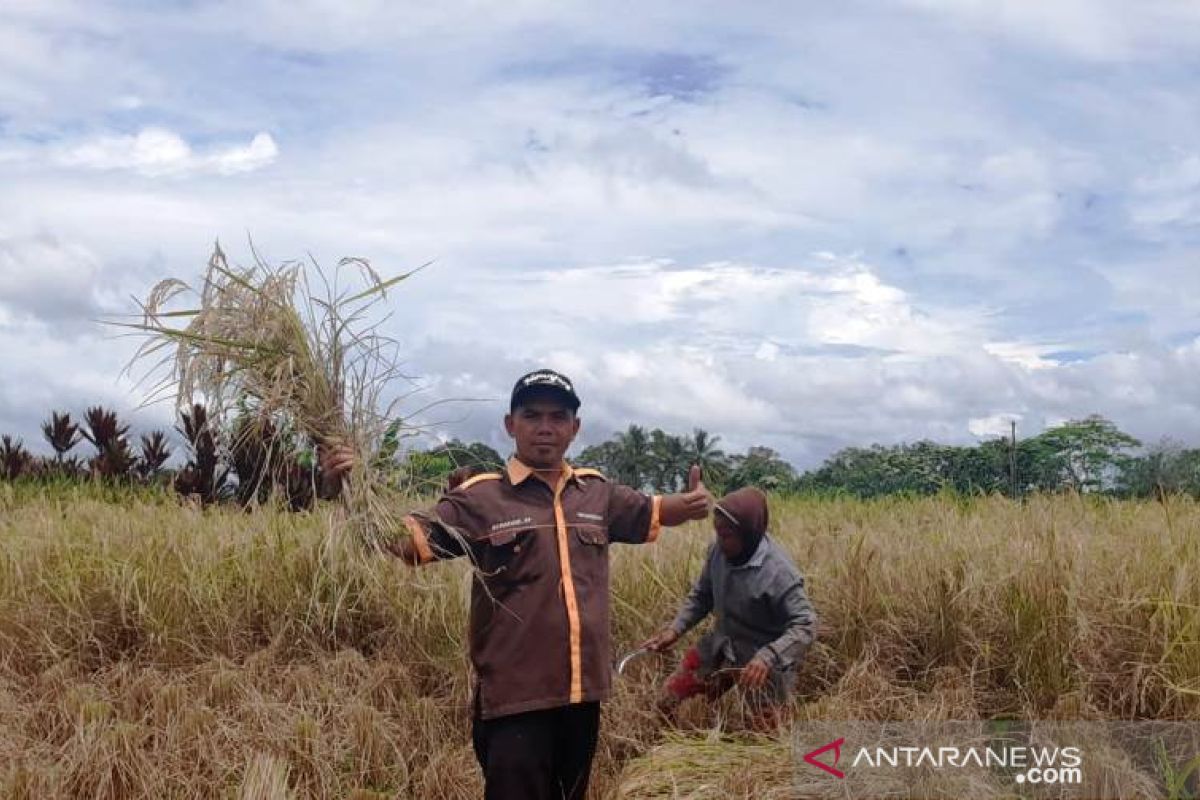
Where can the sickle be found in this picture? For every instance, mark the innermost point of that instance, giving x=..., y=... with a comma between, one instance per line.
x=624, y=662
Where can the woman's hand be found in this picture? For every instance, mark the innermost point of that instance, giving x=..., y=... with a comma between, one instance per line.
x=754, y=674
x=663, y=640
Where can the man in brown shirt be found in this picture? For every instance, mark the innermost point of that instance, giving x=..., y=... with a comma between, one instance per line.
x=538, y=534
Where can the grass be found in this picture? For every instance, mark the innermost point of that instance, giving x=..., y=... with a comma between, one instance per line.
x=152, y=650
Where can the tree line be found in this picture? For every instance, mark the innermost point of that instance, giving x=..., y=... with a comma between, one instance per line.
x=254, y=458
x=1089, y=456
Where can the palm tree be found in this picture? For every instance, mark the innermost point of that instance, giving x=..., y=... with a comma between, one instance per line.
x=633, y=457
x=669, y=461
x=604, y=457
x=761, y=467
x=701, y=448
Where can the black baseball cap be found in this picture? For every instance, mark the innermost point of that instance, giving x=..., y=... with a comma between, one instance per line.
x=545, y=381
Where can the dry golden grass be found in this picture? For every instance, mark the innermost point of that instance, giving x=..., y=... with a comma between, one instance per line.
x=148, y=650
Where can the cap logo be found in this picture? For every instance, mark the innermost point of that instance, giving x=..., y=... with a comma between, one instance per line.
x=544, y=378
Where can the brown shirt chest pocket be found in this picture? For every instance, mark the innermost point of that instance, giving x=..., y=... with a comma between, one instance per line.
x=594, y=538
x=510, y=556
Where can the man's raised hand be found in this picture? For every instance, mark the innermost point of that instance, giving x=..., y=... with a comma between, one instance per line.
x=693, y=504
x=698, y=499
x=336, y=457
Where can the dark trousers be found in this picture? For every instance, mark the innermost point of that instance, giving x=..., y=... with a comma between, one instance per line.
x=538, y=755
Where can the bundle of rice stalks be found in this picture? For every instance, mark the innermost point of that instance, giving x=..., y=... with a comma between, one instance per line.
x=712, y=767
x=724, y=767
x=261, y=337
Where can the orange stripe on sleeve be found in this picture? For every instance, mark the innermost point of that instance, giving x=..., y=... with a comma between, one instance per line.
x=419, y=538
x=655, y=518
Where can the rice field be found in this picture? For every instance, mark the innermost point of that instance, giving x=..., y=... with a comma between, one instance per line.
x=149, y=649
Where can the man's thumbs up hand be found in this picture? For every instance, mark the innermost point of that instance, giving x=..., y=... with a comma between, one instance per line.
x=699, y=500
x=694, y=503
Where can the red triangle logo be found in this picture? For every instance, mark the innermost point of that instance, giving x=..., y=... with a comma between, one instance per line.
x=836, y=747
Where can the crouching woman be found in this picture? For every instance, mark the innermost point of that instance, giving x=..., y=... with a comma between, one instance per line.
x=764, y=620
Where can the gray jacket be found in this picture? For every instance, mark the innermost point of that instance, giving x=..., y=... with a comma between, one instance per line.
x=761, y=607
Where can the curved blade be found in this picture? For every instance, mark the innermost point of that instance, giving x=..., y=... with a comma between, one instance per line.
x=624, y=662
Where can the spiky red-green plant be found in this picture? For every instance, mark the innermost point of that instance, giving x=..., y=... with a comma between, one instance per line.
x=116, y=461
x=154, y=454
x=102, y=428
x=61, y=433
x=204, y=476
x=15, y=460
x=267, y=459
x=255, y=450
x=299, y=485
x=114, y=458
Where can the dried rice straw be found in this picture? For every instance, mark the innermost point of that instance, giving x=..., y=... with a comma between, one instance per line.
x=316, y=361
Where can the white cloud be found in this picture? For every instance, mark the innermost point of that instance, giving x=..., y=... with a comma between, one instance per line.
x=60, y=59
x=45, y=371
x=153, y=151
x=1169, y=195
x=767, y=351
x=1029, y=355
x=41, y=276
x=261, y=151
x=828, y=302
x=1094, y=29
x=160, y=152
x=992, y=199
x=993, y=425
x=698, y=356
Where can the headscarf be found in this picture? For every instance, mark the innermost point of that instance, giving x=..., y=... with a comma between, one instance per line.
x=746, y=508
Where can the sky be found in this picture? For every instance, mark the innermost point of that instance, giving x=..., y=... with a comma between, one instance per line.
x=794, y=224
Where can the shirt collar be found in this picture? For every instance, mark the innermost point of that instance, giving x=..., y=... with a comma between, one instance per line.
x=518, y=471
x=760, y=555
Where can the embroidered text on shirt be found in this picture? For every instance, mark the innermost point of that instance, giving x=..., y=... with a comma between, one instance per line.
x=511, y=523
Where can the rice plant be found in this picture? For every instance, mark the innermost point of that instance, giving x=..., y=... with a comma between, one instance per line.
x=151, y=650
x=297, y=344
